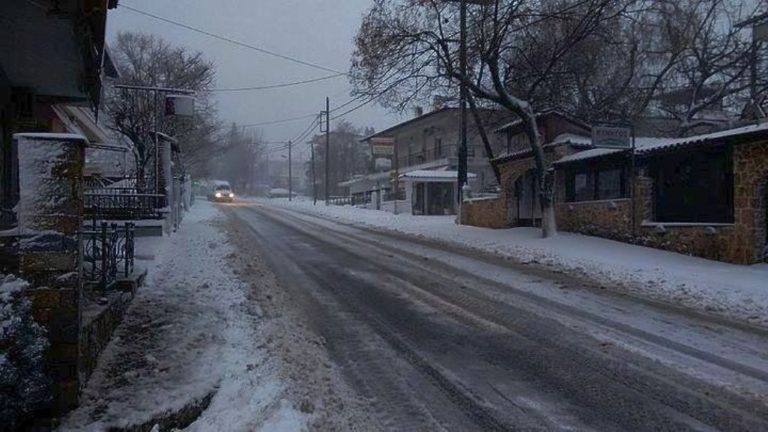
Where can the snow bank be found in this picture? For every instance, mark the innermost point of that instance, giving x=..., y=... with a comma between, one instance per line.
x=189, y=332
x=739, y=292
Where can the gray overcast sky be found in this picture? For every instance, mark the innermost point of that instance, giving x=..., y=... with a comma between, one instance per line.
x=316, y=31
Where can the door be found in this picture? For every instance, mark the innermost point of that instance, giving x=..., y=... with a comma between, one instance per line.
x=529, y=209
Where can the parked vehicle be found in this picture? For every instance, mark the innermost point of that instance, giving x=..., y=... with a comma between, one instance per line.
x=221, y=192
x=279, y=193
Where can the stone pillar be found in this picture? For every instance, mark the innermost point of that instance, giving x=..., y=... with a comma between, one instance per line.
x=49, y=214
x=643, y=201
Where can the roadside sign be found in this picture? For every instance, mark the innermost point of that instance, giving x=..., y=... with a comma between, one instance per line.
x=383, y=146
x=611, y=137
x=382, y=164
x=760, y=32
x=179, y=105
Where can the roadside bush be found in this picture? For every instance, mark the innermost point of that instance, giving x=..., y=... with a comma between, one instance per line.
x=23, y=383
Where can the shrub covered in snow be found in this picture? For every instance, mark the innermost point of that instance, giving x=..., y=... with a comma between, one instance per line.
x=23, y=384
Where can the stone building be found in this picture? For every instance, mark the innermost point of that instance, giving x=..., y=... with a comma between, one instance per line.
x=703, y=195
x=517, y=203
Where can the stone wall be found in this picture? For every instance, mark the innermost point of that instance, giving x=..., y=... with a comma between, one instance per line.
x=606, y=218
x=484, y=212
x=99, y=322
x=750, y=177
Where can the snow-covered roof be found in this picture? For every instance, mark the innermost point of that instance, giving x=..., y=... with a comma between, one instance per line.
x=588, y=154
x=656, y=144
x=51, y=136
x=650, y=145
x=562, y=139
x=433, y=174
x=569, y=138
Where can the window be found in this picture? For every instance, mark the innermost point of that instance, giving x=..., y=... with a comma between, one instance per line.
x=595, y=183
x=609, y=184
x=438, y=147
x=582, y=189
x=695, y=187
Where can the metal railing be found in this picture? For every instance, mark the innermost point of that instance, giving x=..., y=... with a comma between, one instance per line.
x=340, y=200
x=108, y=253
x=122, y=204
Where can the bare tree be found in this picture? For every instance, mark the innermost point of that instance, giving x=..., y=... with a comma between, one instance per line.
x=348, y=156
x=418, y=39
x=714, y=71
x=238, y=161
x=597, y=59
x=146, y=60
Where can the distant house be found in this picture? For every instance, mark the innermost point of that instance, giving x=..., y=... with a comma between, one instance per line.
x=427, y=156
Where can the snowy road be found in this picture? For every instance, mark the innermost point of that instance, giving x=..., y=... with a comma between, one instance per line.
x=432, y=338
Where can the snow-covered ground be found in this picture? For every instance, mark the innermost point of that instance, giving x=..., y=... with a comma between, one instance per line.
x=739, y=292
x=191, y=332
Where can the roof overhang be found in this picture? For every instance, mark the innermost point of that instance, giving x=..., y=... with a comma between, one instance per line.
x=79, y=120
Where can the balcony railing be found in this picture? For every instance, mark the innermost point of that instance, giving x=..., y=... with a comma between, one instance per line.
x=108, y=253
x=123, y=204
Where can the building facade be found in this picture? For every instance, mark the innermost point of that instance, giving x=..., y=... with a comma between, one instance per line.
x=430, y=142
x=703, y=195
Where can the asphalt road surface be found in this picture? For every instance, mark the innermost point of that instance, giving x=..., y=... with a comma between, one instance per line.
x=438, y=338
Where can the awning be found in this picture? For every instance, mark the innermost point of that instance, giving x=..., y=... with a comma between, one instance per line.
x=433, y=175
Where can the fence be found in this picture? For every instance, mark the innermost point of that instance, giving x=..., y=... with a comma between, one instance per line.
x=123, y=204
x=107, y=253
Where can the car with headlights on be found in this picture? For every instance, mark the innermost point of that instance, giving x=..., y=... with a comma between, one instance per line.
x=221, y=192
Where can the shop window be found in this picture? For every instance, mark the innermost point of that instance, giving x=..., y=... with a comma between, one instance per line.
x=595, y=183
x=695, y=187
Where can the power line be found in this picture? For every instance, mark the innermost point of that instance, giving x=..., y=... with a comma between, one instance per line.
x=275, y=86
x=271, y=122
x=232, y=41
x=307, y=131
x=371, y=99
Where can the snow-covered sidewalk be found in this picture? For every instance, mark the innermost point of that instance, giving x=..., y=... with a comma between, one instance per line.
x=190, y=336
x=739, y=292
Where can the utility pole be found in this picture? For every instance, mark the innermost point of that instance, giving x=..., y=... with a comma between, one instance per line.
x=759, y=26
x=290, y=173
x=156, y=91
x=314, y=182
x=462, y=168
x=327, y=148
